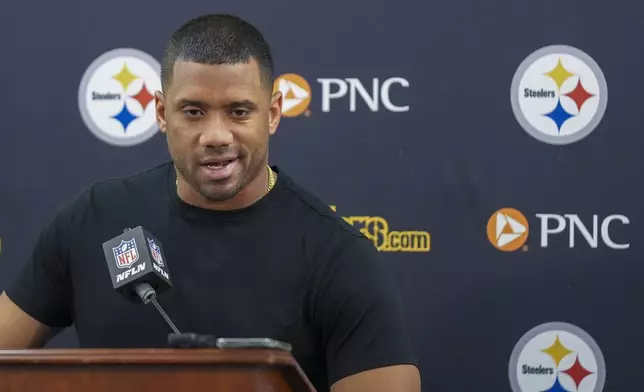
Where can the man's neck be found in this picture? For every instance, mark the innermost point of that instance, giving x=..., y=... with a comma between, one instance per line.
x=250, y=194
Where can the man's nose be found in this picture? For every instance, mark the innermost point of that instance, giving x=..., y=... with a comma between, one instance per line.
x=216, y=133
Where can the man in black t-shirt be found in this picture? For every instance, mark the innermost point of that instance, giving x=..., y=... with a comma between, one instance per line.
x=251, y=253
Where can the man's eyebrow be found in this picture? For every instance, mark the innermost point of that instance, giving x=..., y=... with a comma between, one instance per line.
x=245, y=103
x=190, y=102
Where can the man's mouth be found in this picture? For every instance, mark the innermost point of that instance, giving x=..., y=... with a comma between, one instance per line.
x=219, y=165
x=219, y=169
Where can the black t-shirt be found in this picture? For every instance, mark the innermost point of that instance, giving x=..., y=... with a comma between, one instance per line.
x=286, y=268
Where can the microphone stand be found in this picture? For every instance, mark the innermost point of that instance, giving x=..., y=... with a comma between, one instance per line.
x=193, y=340
x=175, y=339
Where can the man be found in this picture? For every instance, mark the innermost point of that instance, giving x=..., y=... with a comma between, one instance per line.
x=252, y=254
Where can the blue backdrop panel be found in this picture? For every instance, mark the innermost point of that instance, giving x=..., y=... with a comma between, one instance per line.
x=489, y=149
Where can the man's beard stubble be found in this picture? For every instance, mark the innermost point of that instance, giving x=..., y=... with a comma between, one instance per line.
x=241, y=180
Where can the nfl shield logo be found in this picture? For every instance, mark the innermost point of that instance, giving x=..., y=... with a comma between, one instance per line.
x=156, y=252
x=126, y=254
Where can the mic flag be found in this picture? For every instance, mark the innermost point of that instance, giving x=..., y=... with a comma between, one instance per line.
x=136, y=257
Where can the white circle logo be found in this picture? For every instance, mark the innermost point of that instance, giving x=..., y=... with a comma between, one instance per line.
x=559, y=94
x=116, y=96
x=557, y=357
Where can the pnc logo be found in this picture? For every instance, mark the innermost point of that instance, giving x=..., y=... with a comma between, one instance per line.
x=296, y=94
x=374, y=96
x=507, y=229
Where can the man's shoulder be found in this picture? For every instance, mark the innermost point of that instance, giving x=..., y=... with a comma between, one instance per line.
x=150, y=179
x=118, y=191
x=315, y=218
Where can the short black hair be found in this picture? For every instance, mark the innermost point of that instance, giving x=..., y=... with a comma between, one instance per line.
x=218, y=39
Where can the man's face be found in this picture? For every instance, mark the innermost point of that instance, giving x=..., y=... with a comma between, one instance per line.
x=218, y=119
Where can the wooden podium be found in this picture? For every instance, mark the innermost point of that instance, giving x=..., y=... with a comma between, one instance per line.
x=158, y=370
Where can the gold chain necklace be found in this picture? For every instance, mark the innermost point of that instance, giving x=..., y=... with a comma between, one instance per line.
x=271, y=179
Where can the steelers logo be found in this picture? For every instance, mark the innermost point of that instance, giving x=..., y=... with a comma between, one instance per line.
x=296, y=94
x=557, y=357
x=116, y=97
x=559, y=95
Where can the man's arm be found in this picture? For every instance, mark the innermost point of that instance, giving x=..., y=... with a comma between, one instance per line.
x=35, y=307
x=360, y=316
x=402, y=378
x=18, y=330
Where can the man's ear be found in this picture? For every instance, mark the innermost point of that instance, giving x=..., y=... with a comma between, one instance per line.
x=159, y=106
x=275, y=113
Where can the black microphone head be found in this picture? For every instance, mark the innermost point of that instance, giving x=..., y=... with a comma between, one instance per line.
x=136, y=257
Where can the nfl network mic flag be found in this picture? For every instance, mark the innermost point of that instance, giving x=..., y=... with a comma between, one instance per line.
x=135, y=257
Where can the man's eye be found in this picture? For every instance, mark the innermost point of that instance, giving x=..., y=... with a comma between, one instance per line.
x=192, y=112
x=239, y=113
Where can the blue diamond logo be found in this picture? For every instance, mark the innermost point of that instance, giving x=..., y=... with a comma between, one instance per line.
x=556, y=387
x=559, y=115
x=125, y=117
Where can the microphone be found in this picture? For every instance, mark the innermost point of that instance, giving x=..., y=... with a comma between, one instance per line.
x=138, y=268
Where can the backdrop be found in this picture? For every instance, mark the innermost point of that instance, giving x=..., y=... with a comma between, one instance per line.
x=490, y=150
